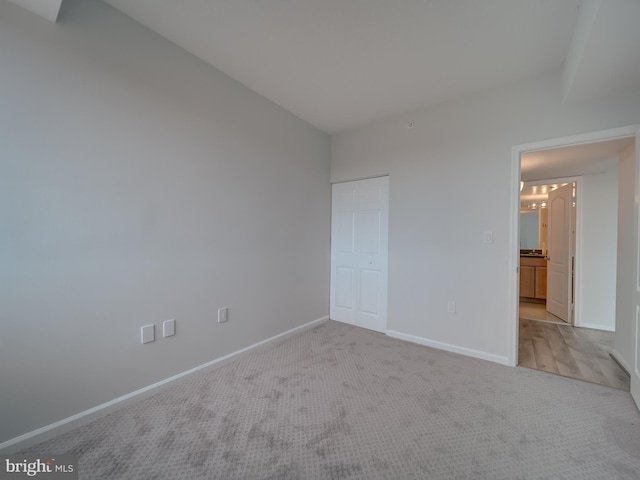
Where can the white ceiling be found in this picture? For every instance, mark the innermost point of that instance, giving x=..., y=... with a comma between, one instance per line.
x=340, y=64
x=605, y=51
x=540, y=169
x=572, y=161
x=48, y=9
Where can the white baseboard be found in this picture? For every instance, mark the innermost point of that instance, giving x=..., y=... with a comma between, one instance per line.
x=621, y=361
x=81, y=418
x=449, y=348
x=596, y=326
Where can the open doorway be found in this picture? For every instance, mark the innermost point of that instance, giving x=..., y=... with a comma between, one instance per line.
x=556, y=346
x=547, y=282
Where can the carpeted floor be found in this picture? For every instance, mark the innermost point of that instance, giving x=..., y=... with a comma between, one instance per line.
x=338, y=402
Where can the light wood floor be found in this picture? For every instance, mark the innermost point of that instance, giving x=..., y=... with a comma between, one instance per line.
x=538, y=311
x=580, y=353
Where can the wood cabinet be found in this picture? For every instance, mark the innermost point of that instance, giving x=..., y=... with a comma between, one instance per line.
x=540, y=290
x=533, y=277
x=527, y=281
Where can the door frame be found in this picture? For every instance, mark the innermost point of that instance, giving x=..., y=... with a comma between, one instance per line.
x=577, y=253
x=514, y=230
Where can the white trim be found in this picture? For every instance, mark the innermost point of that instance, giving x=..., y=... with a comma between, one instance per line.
x=514, y=230
x=580, y=139
x=635, y=372
x=621, y=361
x=578, y=296
x=449, y=348
x=636, y=366
x=596, y=326
x=74, y=421
x=513, y=303
x=361, y=178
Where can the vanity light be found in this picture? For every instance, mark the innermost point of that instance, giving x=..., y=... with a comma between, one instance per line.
x=521, y=185
x=543, y=204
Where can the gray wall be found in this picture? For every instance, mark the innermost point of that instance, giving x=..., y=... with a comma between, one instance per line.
x=450, y=181
x=139, y=184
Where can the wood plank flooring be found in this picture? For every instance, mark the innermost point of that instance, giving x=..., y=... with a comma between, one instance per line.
x=580, y=353
x=538, y=311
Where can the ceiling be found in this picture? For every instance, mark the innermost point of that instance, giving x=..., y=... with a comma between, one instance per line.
x=341, y=64
x=584, y=159
x=542, y=169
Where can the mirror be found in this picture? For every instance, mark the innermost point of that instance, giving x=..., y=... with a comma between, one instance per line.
x=529, y=230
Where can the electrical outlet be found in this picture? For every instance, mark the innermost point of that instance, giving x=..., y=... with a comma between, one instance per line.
x=451, y=306
x=223, y=315
x=147, y=334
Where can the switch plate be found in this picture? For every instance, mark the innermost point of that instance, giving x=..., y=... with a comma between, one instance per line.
x=451, y=306
x=488, y=236
x=147, y=334
x=223, y=315
x=169, y=328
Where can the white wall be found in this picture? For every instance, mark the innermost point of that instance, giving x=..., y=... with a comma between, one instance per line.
x=449, y=182
x=626, y=260
x=597, y=295
x=139, y=184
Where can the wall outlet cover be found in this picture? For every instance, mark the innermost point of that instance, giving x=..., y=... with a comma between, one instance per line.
x=147, y=334
x=168, y=328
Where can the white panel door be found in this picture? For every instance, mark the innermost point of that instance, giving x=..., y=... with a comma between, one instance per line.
x=635, y=374
x=559, y=253
x=359, y=235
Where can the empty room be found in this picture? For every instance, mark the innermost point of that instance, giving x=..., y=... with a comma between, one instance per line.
x=281, y=239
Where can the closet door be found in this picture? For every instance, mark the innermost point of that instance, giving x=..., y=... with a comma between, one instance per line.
x=359, y=237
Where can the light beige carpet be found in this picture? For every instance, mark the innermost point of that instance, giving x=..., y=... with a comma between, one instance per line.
x=338, y=402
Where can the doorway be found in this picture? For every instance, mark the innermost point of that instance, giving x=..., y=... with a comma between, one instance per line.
x=596, y=141
x=547, y=268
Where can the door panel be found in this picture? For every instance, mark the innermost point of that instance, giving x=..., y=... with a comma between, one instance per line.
x=370, y=291
x=359, y=236
x=369, y=232
x=559, y=252
x=345, y=232
x=345, y=280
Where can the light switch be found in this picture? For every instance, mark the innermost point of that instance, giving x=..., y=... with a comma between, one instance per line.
x=147, y=334
x=168, y=328
x=488, y=236
x=223, y=315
